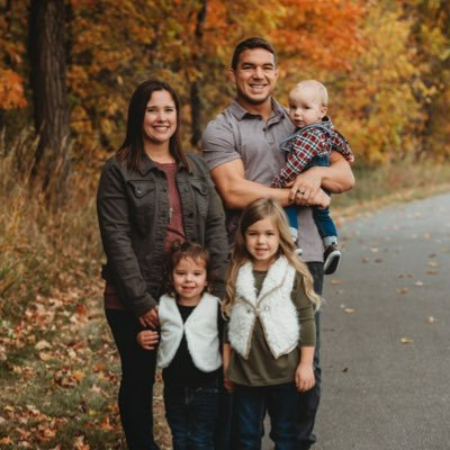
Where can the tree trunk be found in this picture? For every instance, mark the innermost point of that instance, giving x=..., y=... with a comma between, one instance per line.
x=48, y=82
x=195, y=91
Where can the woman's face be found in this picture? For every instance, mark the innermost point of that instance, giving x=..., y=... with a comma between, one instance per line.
x=160, y=118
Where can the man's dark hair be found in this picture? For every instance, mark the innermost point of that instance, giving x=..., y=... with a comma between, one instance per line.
x=250, y=44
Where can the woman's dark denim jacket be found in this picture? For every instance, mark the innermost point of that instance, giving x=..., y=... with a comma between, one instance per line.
x=133, y=212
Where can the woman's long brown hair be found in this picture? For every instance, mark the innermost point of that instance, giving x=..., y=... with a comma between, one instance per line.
x=132, y=148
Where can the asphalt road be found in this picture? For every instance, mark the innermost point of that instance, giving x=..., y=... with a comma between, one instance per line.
x=386, y=333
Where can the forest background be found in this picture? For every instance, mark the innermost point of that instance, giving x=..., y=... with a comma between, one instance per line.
x=67, y=71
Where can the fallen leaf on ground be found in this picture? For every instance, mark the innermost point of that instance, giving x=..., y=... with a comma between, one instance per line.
x=418, y=283
x=349, y=310
x=45, y=356
x=406, y=341
x=42, y=345
x=430, y=319
x=403, y=290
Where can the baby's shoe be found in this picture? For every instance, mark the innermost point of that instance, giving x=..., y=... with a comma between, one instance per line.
x=294, y=236
x=331, y=258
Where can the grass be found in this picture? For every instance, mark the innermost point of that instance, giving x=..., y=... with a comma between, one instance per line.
x=391, y=184
x=59, y=370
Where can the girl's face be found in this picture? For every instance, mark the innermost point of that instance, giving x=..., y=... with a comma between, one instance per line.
x=160, y=118
x=262, y=240
x=189, y=280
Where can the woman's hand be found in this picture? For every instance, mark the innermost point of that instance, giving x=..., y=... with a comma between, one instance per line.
x=150, y=318
x=148, y=339
x=304, y=377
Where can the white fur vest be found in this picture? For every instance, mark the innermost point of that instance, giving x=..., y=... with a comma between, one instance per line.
x=200, y=328
x=273, y=307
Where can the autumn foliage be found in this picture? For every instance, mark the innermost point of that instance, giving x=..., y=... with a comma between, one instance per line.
x=386, y=65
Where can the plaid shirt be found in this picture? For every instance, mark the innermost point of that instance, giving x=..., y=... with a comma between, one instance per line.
x=306, y=144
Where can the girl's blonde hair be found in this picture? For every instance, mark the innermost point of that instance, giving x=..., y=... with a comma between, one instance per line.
x=257, y=210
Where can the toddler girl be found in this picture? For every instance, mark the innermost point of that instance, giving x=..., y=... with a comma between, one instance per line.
x=271, y=332
x=189, y=349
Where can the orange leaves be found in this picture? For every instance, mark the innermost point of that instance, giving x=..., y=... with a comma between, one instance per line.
x=11, y=90
x=324, y=34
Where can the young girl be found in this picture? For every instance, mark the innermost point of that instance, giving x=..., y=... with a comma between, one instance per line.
x=271, y=332
x=189, y=349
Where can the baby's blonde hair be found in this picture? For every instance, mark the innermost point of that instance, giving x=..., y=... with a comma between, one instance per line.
x=258, y=210
x=321, y=90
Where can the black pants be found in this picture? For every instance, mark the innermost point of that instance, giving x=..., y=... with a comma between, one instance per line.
x=136, y=385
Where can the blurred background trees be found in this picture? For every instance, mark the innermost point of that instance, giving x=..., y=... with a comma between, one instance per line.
x=68, y=68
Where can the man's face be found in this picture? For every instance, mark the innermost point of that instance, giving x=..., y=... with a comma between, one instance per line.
x=255, y=76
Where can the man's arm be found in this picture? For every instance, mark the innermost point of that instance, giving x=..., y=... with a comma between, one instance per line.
x=237, y=192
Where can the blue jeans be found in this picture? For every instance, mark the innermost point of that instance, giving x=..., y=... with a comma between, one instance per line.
x=192, y=416
x=280, y=401
x=322, y=218
x=136, y=384
x=308, y=402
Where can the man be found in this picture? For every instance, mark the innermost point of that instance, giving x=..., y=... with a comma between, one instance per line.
x=241, y=147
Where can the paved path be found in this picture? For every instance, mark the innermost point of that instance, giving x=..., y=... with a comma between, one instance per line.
x=386, y=333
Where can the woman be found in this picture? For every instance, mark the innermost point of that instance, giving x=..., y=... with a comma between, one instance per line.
x=150, y=195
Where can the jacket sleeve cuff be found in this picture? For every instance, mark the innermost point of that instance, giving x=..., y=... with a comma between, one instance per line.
x=143, y=305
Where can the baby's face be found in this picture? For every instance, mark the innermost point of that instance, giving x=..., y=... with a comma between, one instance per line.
x=305, y=107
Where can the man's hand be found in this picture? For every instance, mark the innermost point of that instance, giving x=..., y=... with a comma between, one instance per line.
x=321, y=200
x=150, y=319
x=306, y=190
x=307, y=185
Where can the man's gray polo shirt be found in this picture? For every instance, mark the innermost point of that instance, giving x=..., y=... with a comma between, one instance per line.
x=238, y=134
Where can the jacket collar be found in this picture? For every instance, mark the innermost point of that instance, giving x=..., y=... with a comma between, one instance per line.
x=146, y=164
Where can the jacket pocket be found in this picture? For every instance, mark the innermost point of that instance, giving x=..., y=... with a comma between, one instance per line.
x=142, y=199
x=201, y=196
